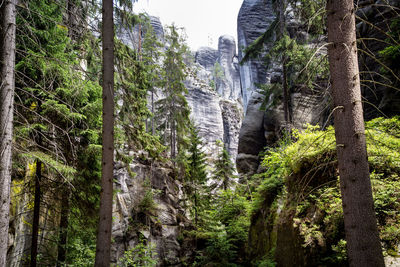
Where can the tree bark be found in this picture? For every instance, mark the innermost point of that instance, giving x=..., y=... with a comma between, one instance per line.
x=7, y=85
x=63, y=234
x=103, y=245
x=363, y=244
x=286, y=94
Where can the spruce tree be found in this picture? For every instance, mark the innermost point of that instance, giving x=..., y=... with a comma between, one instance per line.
x=196, y=179
x=173, y=109
x=362, y=236
x=7, y=85
x=57, y=111
x=224, y=170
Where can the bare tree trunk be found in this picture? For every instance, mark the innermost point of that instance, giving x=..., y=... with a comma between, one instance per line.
x=62, y=243
x=286, y=95
x=153, y=130
x=103, y=245
x=7, y=85
x=36, y=214
x=363, y=244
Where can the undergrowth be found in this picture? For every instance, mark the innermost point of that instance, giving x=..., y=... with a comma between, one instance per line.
x=305, y=172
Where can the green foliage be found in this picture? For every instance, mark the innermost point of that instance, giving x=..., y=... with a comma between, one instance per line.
x=81, y=246
x=141, y=255
x=303, y=63
x=391, y=53
x=173, y=110
x=223, y=227
x=308, y=168
x=133, y=83
x=196, y=175
x=311, y=14
x=223, y=173
x=58, y=120
x=147, y=204
x=217, y=75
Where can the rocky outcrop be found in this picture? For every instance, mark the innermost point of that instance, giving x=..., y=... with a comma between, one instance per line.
x=216, y=110
x=216, y=102
x=149, y=206
x=255, y=16
x=228, y=86
x=263, y=128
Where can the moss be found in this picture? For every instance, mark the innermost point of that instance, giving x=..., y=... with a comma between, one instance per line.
x=307, y=170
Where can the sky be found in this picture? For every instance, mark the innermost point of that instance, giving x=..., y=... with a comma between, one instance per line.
x=204, y=20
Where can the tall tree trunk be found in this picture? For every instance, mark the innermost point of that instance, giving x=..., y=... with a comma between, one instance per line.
x=285, y=89
x=36, y=214
x=153, y=130
x=363, y=244
x=103, y=245
x=7, y=85
x=62, y=243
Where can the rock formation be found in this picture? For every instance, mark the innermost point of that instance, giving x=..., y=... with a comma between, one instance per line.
x=148, y=206
x=262, y=128
x=216, y=103
x=216, y=110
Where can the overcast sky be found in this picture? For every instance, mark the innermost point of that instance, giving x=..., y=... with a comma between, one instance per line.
x=204, y=20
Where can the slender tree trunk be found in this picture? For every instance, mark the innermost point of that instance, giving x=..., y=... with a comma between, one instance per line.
x=285, y=89
x=153, y=130
x=7, y=84
x=363, y=244
x=36, y=214
x=103, y=245
x=62, y=243
x=140, y=42
x=173, y=138
x=286, y=95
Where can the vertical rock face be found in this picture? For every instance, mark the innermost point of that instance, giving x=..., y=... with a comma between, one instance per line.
x=216, y=110
x=216, y=102
x=148, y=206
x=228, y=86
x=262, y=128
x=255, y=16
x=157, y=26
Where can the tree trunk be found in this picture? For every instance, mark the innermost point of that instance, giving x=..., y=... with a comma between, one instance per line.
x=36, y=214
x=285, y=89
x=103, y=245
x=62, y=242
x=7, y=85
x=363, y=244
x=153, y=130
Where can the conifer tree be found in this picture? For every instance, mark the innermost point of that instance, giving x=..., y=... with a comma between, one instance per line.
x=196, y=175
x=362, y=236
x=223, y=170
x=57, y=110
x=103, y=245
x=173, y=110
x=151, y=55
x=7, y=85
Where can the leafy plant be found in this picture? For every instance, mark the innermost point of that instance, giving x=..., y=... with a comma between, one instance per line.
x=141, y=255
